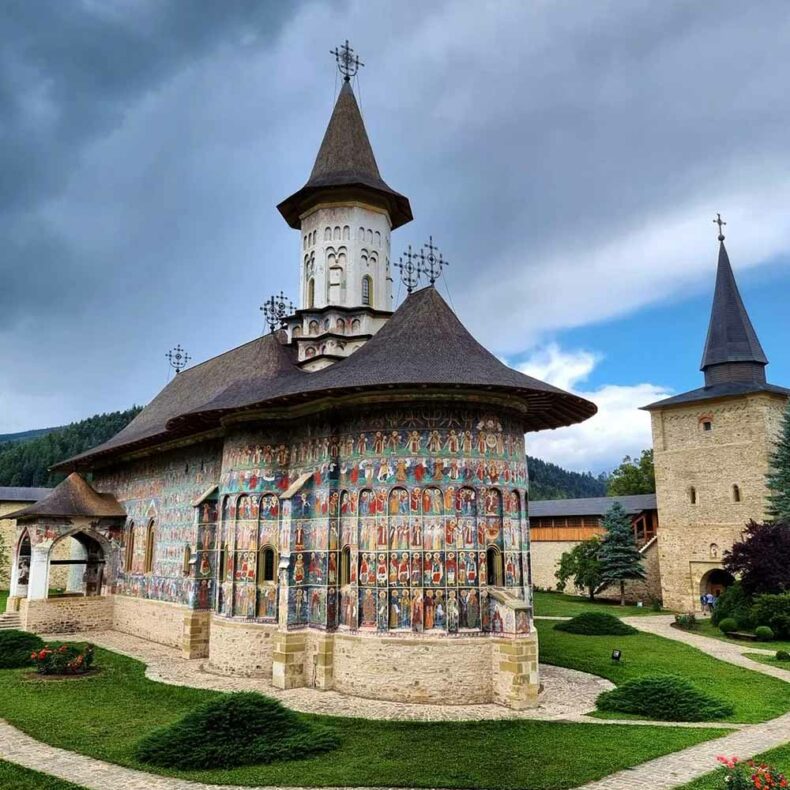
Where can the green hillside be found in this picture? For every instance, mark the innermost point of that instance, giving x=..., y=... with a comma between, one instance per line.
x=549, y=481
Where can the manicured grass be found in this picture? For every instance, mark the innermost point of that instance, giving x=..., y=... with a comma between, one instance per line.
x=3, y=599
x=706, y=628
x=14, y=777
x=770, y=660
x=104, y=715
x=778, y=758
x=755, y=697
x=554, y=604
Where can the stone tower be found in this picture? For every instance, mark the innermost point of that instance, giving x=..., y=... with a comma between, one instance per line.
x=712, y=448
x=345, y=213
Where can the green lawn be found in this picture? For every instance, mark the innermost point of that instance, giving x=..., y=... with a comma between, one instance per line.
x=554, y=604
x=778, y=758
x=706, y=628
x=14, y=777
x=756, y=697
x=105, y=714
x=770, y=660
x=3, y=599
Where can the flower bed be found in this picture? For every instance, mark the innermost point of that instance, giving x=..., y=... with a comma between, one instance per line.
x=59, y=660
x=750, y=775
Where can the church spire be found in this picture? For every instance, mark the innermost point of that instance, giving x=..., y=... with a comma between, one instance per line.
x=732, y=351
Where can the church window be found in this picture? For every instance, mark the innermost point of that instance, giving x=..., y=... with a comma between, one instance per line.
x=311, y=297
x=346, y=233
x=304, y=242
x=693, y=495
x=186, y=560
x=345, y=566
x=367, y=291
x=736, y=493
x=267, y=568
x=221, y=562
x=714, y=551
x=336, y=233
x=494, y=567
x=378, y=239
x=129, y=555
x=327, y=234
x=149, y=547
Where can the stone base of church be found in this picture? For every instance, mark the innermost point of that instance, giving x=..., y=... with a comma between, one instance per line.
x=68, y=614
x=240, y=648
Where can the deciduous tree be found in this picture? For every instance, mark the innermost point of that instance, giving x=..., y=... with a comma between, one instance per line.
x=633, y=476
x=582, y=565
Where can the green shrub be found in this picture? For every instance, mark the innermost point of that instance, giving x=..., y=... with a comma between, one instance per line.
x=735, y=603
x=237, y=729
x=655, y=604
x=63, y=659
x=595, y=624
x=782, y=655
x=16, y=648
x=687, y=622
x=664, y=697
x=764, y=633
x=773, y=611
x=728, y=625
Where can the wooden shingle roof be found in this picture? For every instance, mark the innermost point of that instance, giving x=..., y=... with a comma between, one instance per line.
x=73, y=497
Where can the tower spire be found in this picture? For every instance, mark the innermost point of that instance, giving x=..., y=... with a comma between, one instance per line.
x=732, y=350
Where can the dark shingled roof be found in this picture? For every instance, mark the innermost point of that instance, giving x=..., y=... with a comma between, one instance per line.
x=22, y=494
x=345, y=161
x=73, y=497
x=423, y=345
x=590, y=506
x=724, y=390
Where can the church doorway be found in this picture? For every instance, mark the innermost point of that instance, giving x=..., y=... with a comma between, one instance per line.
x=716, y=581
x=84, y=561
x=23, y=561
x=494, y=567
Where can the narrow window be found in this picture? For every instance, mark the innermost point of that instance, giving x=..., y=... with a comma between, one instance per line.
x=494, y=567
x=129, y=556
x=736, y=493
x=345, y=566
x=221, y=562
x=693, y=495
x=149, y=547
x=187, y=559
x=311, y=293
x=367, y=289
x=268, y=564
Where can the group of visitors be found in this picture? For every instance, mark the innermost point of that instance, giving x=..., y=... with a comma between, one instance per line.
x=708, y=601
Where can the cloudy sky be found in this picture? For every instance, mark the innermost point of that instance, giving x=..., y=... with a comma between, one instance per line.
x=568, y=156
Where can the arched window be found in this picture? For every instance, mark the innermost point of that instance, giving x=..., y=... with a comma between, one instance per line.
x=187, y=559
x=327, y=234
x=494, y=569
x=378, y=239
x=267, y=566
x=345, y=566
x=149, y=547
x=311, y=292
x=336, y=233
x=346, y=232
x=361, y=234
x=367, y=290
x=128, y=558
x=736, y=493
x=693, y=495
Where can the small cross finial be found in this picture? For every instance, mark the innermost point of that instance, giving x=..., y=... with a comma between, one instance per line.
x=431, y=261
x=720, y=222
x=275, y=310
x=178, y=358
x=347, y=62
x=409, y=270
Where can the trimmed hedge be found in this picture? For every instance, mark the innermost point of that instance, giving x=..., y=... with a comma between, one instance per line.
x=16, y=648
x=596, y=624
x=664, y=697
x=773, y=611
x=728, y=625
x=782, y=655
x=735, y=603
x=764, y=633
x=239, y=729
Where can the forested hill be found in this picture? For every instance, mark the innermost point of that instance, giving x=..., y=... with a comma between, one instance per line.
x=549, y=481
x=25, y=461
x=25, y=458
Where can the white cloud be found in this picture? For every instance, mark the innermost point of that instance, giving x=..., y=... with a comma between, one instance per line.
x=618, y=429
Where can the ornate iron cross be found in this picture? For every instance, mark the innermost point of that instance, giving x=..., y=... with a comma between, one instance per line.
x=409, y=270
x=276, y=309
x=178, y=358
x=431, y=261
x=719, y=221
x=347, y=61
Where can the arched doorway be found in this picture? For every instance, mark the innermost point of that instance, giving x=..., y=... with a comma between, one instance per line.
x=494, y=567
x=716, y=581
x=85, y=564
x=20, y=577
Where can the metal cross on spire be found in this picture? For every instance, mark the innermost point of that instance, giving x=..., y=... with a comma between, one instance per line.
x=178, y=358
x=347, y=62
x=276, y=309
x=409, y=270
x=719, y=221
x=431, y=261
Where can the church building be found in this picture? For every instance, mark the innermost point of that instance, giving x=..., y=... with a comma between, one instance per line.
x=339, y=504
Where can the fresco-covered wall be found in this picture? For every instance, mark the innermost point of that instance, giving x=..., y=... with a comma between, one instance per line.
x=387, y=520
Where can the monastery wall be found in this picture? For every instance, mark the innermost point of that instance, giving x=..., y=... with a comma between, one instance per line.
x=238, y=648
x=545, y=556
x=157, y=621
x=67, y=614
x=700, y=512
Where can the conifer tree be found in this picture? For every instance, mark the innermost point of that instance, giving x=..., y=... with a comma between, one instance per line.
x=619, y=557
x=778, y=477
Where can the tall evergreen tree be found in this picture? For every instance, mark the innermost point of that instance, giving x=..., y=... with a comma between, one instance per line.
x=778, y=477
x=619, y=557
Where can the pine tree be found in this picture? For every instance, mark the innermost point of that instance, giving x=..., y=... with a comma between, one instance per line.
x=619, y=557
x=778, y=477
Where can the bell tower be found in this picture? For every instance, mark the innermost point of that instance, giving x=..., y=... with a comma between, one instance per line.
x=345, y=213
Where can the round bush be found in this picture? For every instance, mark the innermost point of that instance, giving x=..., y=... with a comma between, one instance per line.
x=782, y=655
x=727, y=625
x=664, y=697
x=764, y=633
x=596, y=623
x=237, y=729
x=16, y=648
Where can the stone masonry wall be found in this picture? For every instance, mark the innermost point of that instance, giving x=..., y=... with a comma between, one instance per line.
x=736, y=451
x=545, y=556
x=157, y=621
x=66, y=614
x=237, y=648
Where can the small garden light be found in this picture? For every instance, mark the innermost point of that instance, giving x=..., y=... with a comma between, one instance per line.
x=617, y=655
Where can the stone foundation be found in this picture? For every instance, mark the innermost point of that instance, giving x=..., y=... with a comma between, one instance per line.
x=238, y=648
x=66, y=614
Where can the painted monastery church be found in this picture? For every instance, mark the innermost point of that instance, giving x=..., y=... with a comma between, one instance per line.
x=321, y=504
